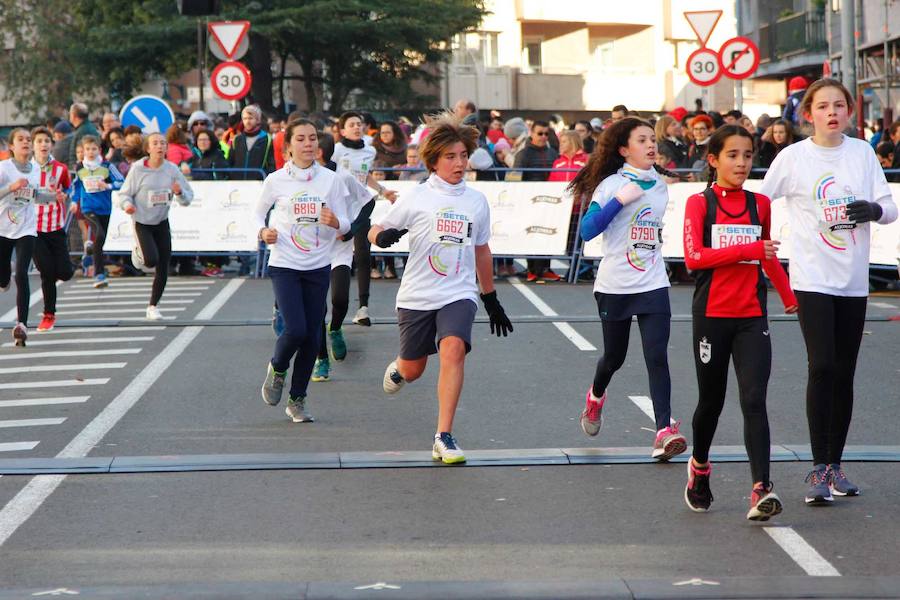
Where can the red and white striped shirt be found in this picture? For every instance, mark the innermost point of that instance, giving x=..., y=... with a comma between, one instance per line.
x=50, y=217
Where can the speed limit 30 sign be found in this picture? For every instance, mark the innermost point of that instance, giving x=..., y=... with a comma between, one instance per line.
x=703, y=66
x=231, y=80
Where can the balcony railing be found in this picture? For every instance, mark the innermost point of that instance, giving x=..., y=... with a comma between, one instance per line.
x=794, y=34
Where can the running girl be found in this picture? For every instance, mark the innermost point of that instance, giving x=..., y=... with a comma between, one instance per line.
x=307, y=218
x=833, y=188
x=51, y=248
x=20, y=180
x=727, y=245
x=149, y=187
x=95, y=180
x=628, y=201
x=449, y=228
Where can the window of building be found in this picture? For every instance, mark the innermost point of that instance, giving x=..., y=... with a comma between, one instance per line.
x=601, y=50
x=488, y=48
x=531, y=50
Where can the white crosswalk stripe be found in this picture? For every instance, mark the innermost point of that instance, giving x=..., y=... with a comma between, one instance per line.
x=43, y=401
x=31, y=422
x=162, y=304
x=51, y=368
x=61, y=330
x=70, y=341
x=23, y=385
x=17, y=446
x=116, y=311
x=70, y=353
x=126, y=294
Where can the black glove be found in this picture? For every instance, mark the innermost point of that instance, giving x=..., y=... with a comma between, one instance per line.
x=500, y=323
x=863, y=212
x=389, y=237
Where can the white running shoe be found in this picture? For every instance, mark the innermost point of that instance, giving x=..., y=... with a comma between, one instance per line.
x=393, y=381
x=137, y=259
x=153, y=314
x=362, y=317
x=446, y=450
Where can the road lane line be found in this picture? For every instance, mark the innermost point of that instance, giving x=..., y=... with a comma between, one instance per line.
x=52, y=368
x=801, y=552
x=124, y=294
x=32, y=496
x=67, y=353
x=645, y=403
x=12, y=314
x=118, y=311
x=30, y=385
x=219, y=301
x=123, y=303
x=17, y=446
x=60, y=330
x=883, y=305
x=103, y=340
x=148, y=283
x=567, y=330
x=31, y=422
x=43, y=401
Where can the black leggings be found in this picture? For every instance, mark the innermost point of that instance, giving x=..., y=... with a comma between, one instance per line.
x=655, y=339
x=340, y=303
x=156, y=246
x=51, y=257
x=362, y=255
x=716, y=340
x=832, y=329
x=24, y=247
x=99, y=225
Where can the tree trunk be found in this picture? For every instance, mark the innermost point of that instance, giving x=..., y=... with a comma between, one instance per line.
x=259, y=61
x=284, y=58
x=306, y=63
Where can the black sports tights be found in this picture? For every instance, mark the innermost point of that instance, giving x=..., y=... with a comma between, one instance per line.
x=832, y=329
x=340, y=302
x=716, y=341
x=24, y=247
x=362, y=255
x=51, y=257
x=654, y=339
x=156, y=246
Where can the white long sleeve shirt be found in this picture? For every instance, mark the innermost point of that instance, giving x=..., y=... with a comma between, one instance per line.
x=829, y=253
x=17, y=209
x=296, y=197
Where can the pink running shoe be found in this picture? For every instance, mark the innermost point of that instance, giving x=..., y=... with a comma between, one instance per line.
x=669, y=443
x=592, y=415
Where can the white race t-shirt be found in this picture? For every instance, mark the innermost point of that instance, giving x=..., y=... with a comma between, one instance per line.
x=829, y=254
x=296, y=197
x=357, y=197
x=445, y=224
x=632, y=249
x=18, y=218
x=356, y=162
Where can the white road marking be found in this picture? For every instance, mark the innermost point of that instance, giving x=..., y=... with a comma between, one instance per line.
x=125, y=294
x=32, y=496
x=219, y=301
x=107, y=319
x=52, y=368
x=43, y=401
x=31, y=422
x=801, y=552
x=117, y=311
x=17, y=446
x=27, y=385
x=567, y=330
x=103, y=340
x=123, y=303
x=883, y=305
x=142, y=284
x=645, y=403
x=67, y=353
x=60, y=330
x=12, y=314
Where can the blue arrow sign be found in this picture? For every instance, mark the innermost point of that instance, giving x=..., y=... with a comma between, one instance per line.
x=150, y=113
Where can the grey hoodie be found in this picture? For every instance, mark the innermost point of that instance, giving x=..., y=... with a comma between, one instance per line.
x=144, y=189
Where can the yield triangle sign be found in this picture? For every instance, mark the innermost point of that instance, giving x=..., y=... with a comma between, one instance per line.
x=703, y=22
x=228, y=34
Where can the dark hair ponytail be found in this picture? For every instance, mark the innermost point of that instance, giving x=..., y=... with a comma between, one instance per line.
x=668, y=173
x=605, y=160
x=716, y=144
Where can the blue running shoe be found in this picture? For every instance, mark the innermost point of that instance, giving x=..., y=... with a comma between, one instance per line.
x=338, y=345
x=819, y=492
x=840, y=485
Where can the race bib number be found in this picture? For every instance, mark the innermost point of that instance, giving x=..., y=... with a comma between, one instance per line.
x=725, y=236
x=45, y=195
x=644, y=237
x=833, y=215
x=25, y=194
x=159, y=197
x=451, y=228
x=306, y=210
x=94, y=184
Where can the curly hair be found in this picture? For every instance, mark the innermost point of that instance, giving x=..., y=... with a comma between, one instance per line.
x=445, y=129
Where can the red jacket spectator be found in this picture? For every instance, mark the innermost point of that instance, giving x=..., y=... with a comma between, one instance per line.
x=179, y=153
x=577, y=161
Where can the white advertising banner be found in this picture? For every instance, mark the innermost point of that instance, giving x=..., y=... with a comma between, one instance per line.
x=527, y=218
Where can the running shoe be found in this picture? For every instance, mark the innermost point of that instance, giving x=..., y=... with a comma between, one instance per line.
x=592, y=415
x=277, y=322
x=393, y=381
x=362, y=317
x=840, y=485
x=550, y=276
x=20, y=334
x=697, y=494
x=153, y=314
x=47, y=322
x=531, y=277
x=375, y=273
x=819, y=492
x=87, y=265
x=273, y=386
x=669, y=442
x=390, y=274
x=100, y=281
x=137, y=259
x=296, y=410
x=338, y=345
x=321, y=370
x=446, y=449
x=212, y=271
x=764, y=503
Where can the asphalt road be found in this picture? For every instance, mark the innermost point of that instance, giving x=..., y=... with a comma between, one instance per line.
x=187, y=388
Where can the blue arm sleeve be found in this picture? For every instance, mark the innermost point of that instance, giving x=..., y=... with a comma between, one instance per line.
x=596, y=219
x=116, y=179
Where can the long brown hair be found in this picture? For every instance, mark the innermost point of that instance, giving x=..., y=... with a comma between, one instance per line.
x=606, y=160
x=806, y=103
